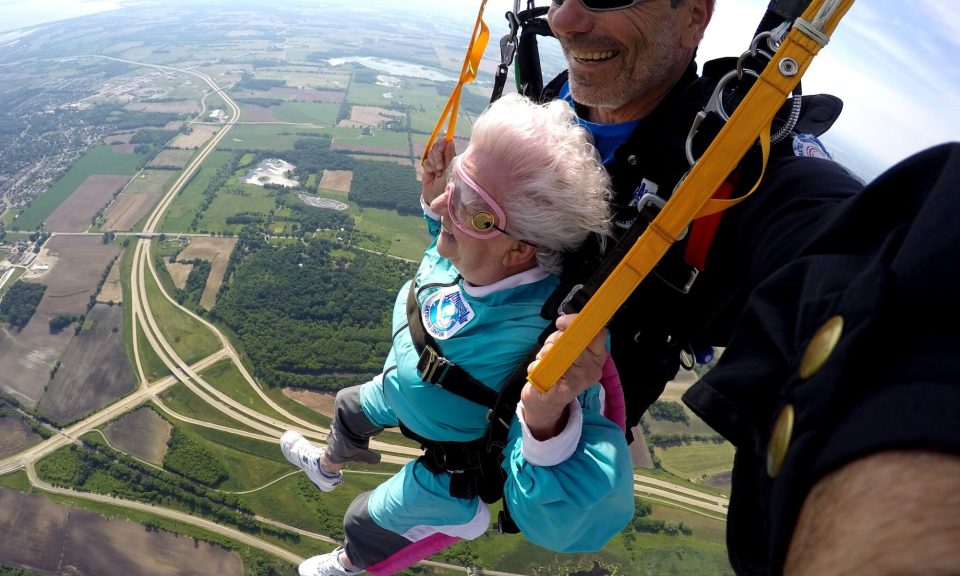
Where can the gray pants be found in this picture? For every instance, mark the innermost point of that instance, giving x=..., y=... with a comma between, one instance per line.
x=366, y=542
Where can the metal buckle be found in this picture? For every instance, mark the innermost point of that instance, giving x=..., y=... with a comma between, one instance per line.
x=650, y=199
x=685, y=289
x=432, y=366
x=561, y=309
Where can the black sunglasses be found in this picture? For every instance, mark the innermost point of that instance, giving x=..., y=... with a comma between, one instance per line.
x=604, y=5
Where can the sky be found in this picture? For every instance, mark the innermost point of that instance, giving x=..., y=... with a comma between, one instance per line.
x=895, y=64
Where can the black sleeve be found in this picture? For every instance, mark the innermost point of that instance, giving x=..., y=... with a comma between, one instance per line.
x=848, y=349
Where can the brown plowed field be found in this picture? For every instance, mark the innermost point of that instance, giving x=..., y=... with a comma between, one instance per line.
x=15, y=435
x=26, y=357
x=373, y=116
x=336, y=180
x=306, y=94
x=201, y=133
x=39, y=535
x=255, y=113
x=169, y=157
x=93, y=371
x=127, y=211
x=141, y=433
x=322, y=402
x=112, y=291
x=76, y=213
x=183, y=107
x=179, y=273
x=217, y=251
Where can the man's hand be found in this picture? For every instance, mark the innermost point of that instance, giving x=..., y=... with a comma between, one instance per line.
x=435, y=168
x=545, y=413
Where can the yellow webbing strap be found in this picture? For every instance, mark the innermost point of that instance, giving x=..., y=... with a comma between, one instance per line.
x=468, y=72
x=691, y=199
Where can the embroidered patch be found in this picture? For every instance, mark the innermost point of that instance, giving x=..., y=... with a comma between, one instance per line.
x=645, y=187
x=810, y=146
x=445, y=312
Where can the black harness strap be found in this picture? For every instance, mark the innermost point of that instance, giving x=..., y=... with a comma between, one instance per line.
x=474, y=466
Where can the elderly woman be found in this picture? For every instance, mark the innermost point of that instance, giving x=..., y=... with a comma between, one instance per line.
x=528, y=188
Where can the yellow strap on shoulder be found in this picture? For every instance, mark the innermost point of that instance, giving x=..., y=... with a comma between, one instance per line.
x=692, y=198
x=468, y=72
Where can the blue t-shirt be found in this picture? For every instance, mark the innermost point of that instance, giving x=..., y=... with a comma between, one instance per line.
x=606, y=137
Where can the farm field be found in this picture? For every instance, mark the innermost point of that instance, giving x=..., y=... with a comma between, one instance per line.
x=100, y=160
x=407, y=235
x=190, y=339
x=697, y=460
x=266, y=136
x=179, y=272
x=227, y=203
x=28, y=356
x=171, y=157
x=77, y=212
x=307, y=112
x=187, y=203
x=216, y=251
x=380, y=142
x=15, y=435
x=339, y=180
x=93, y=370
x=196, y=138
x=129, y=209
x=40, y=535
x=142, y=434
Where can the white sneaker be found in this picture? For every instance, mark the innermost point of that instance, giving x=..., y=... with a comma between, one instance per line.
x=304, y=455
x=325, y=565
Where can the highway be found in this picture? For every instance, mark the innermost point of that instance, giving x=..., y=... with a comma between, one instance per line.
x=260, y=426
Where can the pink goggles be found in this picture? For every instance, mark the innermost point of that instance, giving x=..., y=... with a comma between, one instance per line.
x=471, y=208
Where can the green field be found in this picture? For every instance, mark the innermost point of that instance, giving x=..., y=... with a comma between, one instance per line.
x=307, y=112
x=399, y=141
x=153, y=366
x=226, y=377
x=266, y=136
x=407, y=234
x=190, y=339
x=254, y=199
x=184, y=402
x=694, y=461
x=187, y=203
x=100, y=160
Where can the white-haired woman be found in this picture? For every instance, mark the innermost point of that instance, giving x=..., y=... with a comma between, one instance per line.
x=528, y=188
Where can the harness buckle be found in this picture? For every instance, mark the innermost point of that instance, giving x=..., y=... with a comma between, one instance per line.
x=562, y=308
x=432, y=366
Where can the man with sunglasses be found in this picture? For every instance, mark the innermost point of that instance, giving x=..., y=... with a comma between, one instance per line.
x=812, y=285
x=502, y=214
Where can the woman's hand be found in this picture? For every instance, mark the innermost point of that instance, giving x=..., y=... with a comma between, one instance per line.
x=435, y=168
x=545, y=413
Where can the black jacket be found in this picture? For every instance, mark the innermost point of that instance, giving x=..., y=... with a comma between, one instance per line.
x=809, y=246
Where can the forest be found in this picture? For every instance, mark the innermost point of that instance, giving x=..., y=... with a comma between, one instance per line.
x=18, y=306
x=312, y=316
x=384, y=185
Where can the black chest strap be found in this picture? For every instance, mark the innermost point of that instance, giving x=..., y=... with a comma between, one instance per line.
x=435, y=368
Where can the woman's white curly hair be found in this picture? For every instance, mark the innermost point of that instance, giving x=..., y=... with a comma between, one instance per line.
x=557, y=191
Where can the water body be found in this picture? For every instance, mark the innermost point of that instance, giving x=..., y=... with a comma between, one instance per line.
x=395, y=67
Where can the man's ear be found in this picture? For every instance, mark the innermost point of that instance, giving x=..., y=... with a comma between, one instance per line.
x=698, y=13
x=520, y=256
